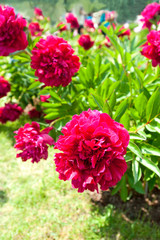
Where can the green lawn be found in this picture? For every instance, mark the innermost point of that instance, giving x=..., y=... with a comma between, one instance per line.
x=36, y=205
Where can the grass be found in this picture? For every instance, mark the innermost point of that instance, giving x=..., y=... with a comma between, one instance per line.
x=36, y=205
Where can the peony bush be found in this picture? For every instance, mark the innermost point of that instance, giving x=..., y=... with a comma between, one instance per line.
x=96, y=97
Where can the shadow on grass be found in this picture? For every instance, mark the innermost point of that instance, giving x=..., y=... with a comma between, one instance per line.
x=114, y=219
x=3, y=197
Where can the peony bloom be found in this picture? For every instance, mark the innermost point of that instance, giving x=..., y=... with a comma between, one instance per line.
x=70, y=18
x=61, y=26
x=35, y=29
x=151, y=49
x=34, y=113
x=89, y=23
x=85, y=41
x=44, y=98
x=4, y=87
x=32, y=142
x=38, y=12
x=54, y=61
x=12, y=36
x=10, y=112
x=150, y=14
x=124, y=32
x=107, y=42
x=92, y=148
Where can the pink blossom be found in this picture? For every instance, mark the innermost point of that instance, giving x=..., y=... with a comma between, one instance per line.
x=44, y=98
x=38, y=11
x=85, y=41
x=61, y=26
x=70, y=18
x=4, y=87
x=150, y=14
x=12, y=36
x=35, y=29
x=92, y=148
x=32, y=142
x=10, y=112
x=54, y=61
x=151, y=49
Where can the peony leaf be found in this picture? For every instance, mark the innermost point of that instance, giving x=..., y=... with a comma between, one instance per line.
x=135, y=149
x=149, y=149
x=120, y=110
x=137, y=173
x=153, y=105
x=136, y=136
x=140, y=102
x=149, y=164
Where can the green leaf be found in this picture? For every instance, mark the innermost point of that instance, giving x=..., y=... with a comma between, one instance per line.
x=153, y=105
x=137, y=173
x=35, y=84
x=136, y=136
x=55, y=96
x=140, y=103
x=52, y=116
x=112, y=100
x=107, y=109
x=149, y=149
x=98, y=101
x=149, y=164
x=120, y=110
x=135, y=149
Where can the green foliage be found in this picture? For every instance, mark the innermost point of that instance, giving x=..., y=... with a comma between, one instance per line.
x=118, y=81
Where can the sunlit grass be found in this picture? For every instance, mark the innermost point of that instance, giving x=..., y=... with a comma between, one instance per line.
x=36, y=205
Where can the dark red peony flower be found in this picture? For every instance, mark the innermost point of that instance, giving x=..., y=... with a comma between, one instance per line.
x=38, y=11
x=34, y=113
x=12, y=36
x=4, y=87
x=44, y=98
x=151, y=49
x=85, y=41
x=92, y=148
x=32, y=142
x=150, y=14
x=35, y=29
x=62, y=26
x=89, y=23
x=54, y=61
x=124, y=32
x=10, y=112
x=70, y=18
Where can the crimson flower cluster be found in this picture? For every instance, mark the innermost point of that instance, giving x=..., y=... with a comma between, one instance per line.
x=150, y=14
x=4, y=87
x=54, y=61
x=10, y=112
x=44, y=98
x=92, y=148
x=124, y=32
x=38, y=12
x=70, y=18
x=89, y=23
x=12, y=36
x=151, y=49
x=32, y=142
x=85, y=41
x=62, y=26
x=34, y=113
x=35, y=29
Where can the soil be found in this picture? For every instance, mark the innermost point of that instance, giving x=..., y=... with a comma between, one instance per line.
x=139, y=206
